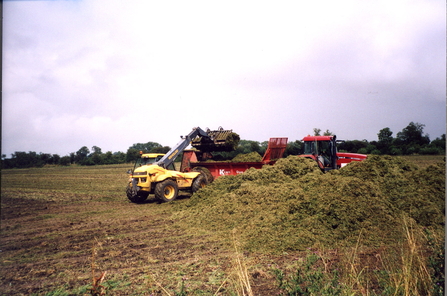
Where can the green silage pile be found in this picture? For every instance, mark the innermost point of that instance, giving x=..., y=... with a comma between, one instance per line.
x=293, y=205
x=248, y=157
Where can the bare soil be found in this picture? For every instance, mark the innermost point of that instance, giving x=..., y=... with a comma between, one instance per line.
x=51, y=246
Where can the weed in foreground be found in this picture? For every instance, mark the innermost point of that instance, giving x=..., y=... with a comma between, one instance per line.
x=309, y=279
x=356, y=278
x=242, y=281
x=436, y=262
x=97, y=289
x=157, y=283
x=405, y=272
x=182, y=291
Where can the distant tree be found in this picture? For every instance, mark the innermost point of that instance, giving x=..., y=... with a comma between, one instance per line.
x=26, y=160
x=328, y=133
x=56, y=158
x=385, y=140
x=264, y=145
x=146, y=147
x=353, y=146
x=430, y=150
x=97, y=150
x=317, y=132
x=411, y=139
x=107, y=158
x=247, y=146
x=8, y=163
x=294, y=148
x=413, y=134
x=362, y=151
x=46, y=158
x=255, y=146
x=395, y=150
x=132, y=154
x=119, y=157
x=65, y=160
x=385, y=136
x=81, y=155
x=437, y=146
x=370, y=148
x=376, y=152
x=160, y=149
x=88, y=161
x=439, y=143
x=96, y=157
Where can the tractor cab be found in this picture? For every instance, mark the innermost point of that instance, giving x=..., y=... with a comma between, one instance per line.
x=321, y=149
x=150, y=159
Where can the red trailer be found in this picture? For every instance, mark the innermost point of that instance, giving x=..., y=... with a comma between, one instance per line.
x=194, y=160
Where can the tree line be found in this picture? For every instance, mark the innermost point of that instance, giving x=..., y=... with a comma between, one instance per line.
x=411, y=140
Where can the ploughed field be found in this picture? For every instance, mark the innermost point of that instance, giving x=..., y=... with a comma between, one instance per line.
x=371, y=228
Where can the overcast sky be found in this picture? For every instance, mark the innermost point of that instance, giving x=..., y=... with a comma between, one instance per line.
x=113, y=73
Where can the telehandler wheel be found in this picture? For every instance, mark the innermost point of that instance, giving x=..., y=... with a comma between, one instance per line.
x=199, y=182
x=166, y=191
x=136, y=197
x=206, y=172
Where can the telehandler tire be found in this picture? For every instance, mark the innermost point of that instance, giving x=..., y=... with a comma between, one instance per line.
x=206, y=172
x=136, y=197
x=166, y=191
x=199, y=182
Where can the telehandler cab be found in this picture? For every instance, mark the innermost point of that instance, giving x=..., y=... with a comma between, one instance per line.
x=155, y=173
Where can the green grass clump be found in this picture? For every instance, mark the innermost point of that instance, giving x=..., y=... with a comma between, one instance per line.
x=293, y=205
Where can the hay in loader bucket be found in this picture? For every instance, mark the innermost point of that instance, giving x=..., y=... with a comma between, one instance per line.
x=219, y=140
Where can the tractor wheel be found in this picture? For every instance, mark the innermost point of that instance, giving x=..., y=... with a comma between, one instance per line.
x=167, y=190
x=199, y=182
x=136, y=197
x=206, y=172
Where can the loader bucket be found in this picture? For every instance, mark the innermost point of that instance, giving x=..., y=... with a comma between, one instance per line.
x=219, y=140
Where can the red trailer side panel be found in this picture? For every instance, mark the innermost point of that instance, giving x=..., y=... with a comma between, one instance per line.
x=218, y=169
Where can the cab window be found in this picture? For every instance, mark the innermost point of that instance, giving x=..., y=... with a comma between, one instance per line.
x=309, y=147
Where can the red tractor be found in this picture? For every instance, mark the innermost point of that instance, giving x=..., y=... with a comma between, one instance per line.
x=323, y=150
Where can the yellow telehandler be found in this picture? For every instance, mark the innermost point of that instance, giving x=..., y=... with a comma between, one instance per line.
x=155, y=173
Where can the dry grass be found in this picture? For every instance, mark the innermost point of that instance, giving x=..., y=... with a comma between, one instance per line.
x=424, y=161
x=242, y=280
x=408, y=272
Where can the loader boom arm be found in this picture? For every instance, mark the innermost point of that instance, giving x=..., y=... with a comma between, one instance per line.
x=172, y=154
